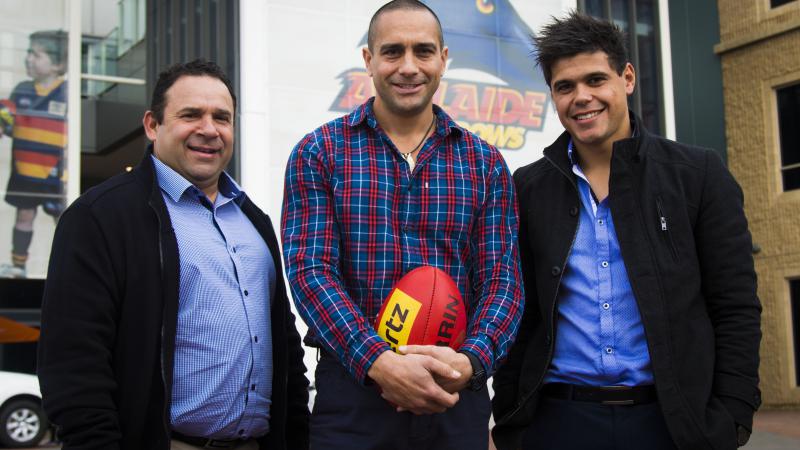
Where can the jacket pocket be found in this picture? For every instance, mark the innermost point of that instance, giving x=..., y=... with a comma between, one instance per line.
x=664, y=229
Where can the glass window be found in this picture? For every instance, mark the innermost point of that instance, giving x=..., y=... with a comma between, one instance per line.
x=595, y=8
x=639, y=20
x=794, y=296
x=776, y=3
x=34, y=132
x=33, y=136
x=34, y=115
x=788, y=117
x=113, y=91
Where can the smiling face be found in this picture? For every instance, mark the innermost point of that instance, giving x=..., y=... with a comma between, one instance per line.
x=195, y=137
x=406, y=62
x=591, y=99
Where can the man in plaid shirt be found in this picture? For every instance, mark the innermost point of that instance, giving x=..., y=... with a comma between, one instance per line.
x=392, y=186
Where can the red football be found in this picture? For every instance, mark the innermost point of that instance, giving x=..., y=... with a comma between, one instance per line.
x=424, y=308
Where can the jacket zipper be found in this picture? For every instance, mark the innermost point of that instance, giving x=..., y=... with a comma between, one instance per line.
x=662, y=218
x=552, y=344
x=167, y=395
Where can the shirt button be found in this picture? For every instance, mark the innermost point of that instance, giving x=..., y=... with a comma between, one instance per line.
x=600, y=221
x=246, y=293
x=255, y=338
x=253, y=387
x=606, y=306
x=573, y=211
x=609, y=350
x=233, y=249
x=604, y=264
x=555, y=271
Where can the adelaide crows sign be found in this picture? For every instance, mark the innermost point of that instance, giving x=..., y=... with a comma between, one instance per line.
x=495, y=91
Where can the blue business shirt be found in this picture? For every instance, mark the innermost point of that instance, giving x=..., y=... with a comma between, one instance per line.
x=223, y=347
x=600, y=339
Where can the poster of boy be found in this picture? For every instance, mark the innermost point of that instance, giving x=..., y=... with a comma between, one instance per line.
x=34, y=117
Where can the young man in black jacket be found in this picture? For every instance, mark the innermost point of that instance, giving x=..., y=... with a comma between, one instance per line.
x=165, y=322
x=642, y=325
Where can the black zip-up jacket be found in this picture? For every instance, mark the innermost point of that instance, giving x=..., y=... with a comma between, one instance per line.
x=109, y=315
x=679, y=218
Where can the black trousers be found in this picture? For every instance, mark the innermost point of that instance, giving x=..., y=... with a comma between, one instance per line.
x=567, y=424
x=347, y=415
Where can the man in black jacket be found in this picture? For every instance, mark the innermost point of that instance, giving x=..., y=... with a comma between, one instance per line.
x=642, y=325
x=165, y=322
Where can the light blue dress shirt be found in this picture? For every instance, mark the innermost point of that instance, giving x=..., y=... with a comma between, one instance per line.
x=223, y=347
x=600, y=338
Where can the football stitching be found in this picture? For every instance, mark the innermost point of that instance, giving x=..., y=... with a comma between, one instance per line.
x=430, y=307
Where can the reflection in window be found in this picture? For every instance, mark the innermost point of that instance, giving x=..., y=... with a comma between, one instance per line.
x=643, y=51
x=33, y=133
x=113, y=97
x=788, y=117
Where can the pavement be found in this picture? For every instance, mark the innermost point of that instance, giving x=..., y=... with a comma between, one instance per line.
x=775, y=430
x=772, y=430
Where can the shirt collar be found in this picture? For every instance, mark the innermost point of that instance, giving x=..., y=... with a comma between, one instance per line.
x=365, y=113
x=175, y=185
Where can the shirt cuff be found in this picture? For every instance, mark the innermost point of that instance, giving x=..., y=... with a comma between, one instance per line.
x=480, y=346
x=363, y=350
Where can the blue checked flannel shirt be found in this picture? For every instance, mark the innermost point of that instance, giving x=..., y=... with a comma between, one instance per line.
x=355, y=221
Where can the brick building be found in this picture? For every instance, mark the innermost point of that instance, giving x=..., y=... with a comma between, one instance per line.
x=760, y=55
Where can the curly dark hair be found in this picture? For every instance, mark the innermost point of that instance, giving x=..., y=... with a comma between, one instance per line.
x=196, y=68
x=579, y=33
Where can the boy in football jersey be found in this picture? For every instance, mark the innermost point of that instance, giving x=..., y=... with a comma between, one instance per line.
x=36, y=121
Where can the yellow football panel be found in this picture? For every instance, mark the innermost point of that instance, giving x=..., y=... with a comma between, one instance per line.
x=398, y=319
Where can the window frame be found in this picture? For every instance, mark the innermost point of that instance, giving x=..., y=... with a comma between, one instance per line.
x=781, y=167
x=793, y=317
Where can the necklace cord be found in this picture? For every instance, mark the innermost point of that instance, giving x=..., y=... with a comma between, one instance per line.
x=408, y=154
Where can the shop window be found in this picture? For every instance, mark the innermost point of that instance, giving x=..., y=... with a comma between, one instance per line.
x=788, y=116
x=776, y=3
x=639, y=19
x=794, y=298
x=33, y=132
x=113, y=88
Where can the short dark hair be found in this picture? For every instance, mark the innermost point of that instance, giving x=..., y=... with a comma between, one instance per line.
x=395, y=5
x=196, y=68
x=576, y=34
x=54, y=43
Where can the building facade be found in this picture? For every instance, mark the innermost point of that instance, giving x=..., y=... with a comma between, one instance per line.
x=759, y=49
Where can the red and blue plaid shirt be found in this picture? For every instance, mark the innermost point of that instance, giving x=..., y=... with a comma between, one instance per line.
x=355, y=221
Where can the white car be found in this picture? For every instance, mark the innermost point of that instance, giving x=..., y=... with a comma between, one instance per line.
x=22, y=421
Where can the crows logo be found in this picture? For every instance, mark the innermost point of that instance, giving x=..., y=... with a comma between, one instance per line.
x=487, y=37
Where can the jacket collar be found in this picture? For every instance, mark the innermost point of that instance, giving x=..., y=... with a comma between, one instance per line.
x=630, y=148
x=145, y=174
